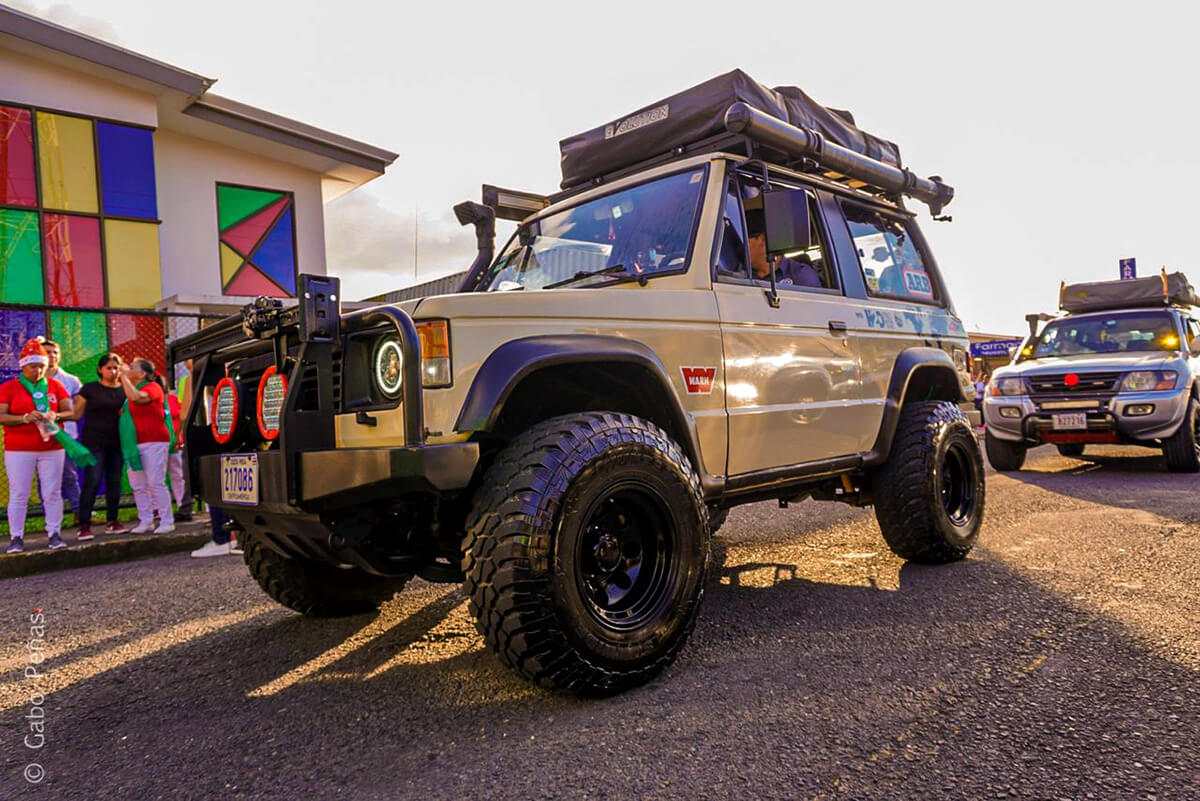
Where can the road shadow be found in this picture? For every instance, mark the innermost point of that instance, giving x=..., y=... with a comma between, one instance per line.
x=1126, y=478
x=951, y=681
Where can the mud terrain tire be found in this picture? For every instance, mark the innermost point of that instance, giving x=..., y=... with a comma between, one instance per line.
x=586, y=553
x=313, y=589
x=929, y=495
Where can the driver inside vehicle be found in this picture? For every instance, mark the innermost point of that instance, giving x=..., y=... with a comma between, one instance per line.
x=788, y=271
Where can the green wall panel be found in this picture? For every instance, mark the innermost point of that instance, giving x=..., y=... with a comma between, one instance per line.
x=235, y=203
x=82, y=338
x=20, y=257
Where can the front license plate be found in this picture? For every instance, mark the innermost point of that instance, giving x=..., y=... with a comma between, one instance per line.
x=239, y=479
x=1066, y=422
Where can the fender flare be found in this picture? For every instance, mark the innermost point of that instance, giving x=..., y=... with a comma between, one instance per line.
x=508, y=365
x=907, y=363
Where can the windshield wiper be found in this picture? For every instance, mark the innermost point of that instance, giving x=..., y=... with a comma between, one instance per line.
x=582, y=274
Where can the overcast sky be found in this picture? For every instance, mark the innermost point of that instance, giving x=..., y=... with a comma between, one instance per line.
x=1066, y=130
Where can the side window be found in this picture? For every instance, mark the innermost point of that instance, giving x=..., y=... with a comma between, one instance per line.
x=805, y=269
x=731, y=255
x=891, y=264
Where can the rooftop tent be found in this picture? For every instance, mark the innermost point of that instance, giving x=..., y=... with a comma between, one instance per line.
x=1155, y=290
x=697, y=114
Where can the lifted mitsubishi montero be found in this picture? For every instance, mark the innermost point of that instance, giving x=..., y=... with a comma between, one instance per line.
x=728, y=302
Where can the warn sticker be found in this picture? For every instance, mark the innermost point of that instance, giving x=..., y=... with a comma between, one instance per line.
x=698, y=380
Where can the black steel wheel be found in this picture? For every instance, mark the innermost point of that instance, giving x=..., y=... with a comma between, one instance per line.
x=623, y=560
x=586, y=553
x=1182, y=449
x=929, y=495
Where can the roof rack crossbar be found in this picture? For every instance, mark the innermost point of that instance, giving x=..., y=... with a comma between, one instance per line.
x=801, y=143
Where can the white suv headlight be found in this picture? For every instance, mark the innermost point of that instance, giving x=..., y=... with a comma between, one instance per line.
x=1147, y=380
x=1006, y=386
x=388, y=367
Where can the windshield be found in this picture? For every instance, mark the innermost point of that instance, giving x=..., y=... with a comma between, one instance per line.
x=635, y=233
x=1109, y=333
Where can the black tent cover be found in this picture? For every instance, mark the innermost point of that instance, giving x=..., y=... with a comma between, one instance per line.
x=1154, y=290
x=698, y=113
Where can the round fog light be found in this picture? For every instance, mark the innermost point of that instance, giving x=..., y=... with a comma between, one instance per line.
x=1139, y=409
x=1010, y=412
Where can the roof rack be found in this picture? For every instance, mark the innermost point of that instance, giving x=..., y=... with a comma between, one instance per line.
x=1157, y=290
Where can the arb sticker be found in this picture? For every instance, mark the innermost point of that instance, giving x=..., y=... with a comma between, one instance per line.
x=917, y=283
x=698, y=380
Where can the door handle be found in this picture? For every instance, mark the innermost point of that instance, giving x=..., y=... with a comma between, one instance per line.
x=837, y=328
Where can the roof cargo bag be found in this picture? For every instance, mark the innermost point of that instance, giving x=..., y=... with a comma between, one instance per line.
x=699, y=113
x=1155, y=290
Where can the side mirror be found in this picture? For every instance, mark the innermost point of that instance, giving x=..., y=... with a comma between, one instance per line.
x=785, y=213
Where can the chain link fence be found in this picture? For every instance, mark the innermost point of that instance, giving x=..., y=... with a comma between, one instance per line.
x=83, y=336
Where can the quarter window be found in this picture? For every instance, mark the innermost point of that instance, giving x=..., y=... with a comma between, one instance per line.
x=892, y=265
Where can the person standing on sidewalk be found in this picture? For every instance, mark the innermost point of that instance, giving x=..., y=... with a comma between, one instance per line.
x=30, y=406
x=175, y=457
x=100, y=403
x=70, y=477
x=145, y=428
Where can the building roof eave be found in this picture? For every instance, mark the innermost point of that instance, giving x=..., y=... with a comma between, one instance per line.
x=281, y=130
x=56, y=37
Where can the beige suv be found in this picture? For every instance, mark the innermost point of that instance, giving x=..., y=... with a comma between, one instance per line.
x=740, y=322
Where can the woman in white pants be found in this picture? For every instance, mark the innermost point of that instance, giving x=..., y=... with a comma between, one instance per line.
x=145, y=443
x=29, y=406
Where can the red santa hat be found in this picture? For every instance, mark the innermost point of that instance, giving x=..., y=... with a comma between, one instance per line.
x=33, y=352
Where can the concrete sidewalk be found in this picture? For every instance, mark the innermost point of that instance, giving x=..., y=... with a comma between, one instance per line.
x=105, y=548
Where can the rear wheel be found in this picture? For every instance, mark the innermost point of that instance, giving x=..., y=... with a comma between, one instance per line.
x=1182, y=449
x=1004, y=455
x=1071, y=449
x=929, y=495
x=586, y=552
x=314, y=589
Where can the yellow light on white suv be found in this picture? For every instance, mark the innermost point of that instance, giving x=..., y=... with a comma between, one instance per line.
x=436, y=367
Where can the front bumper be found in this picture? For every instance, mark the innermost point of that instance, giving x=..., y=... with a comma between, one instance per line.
x=329, y=480
x=1107, y=417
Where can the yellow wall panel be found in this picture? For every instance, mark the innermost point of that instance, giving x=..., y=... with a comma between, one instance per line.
x=67, y=160
x=134, y=277
x=230, y=262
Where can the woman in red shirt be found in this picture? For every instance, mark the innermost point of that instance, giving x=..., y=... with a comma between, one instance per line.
x=29, y=406
x=146, y=441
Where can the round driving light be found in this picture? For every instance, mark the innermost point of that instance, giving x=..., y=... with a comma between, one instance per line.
x=225, y=411
x=272, y=389
x=1071, y=380
x=389, y=367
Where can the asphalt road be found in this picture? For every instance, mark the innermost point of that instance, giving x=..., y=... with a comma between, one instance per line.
x=1061, y=660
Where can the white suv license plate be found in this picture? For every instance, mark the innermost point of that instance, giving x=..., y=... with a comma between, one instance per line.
x=1067, y=422
x=239, y=479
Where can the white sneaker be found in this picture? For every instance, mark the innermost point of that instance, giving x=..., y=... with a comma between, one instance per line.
x=142, y=528
x=211, y=548
x=165, y=528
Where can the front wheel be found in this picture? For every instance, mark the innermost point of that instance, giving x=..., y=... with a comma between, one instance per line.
x=586, y=552
x=1182, y=449
x=929, y=495
x=1004, y=455
x=315, y=589
x=1071, y=449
